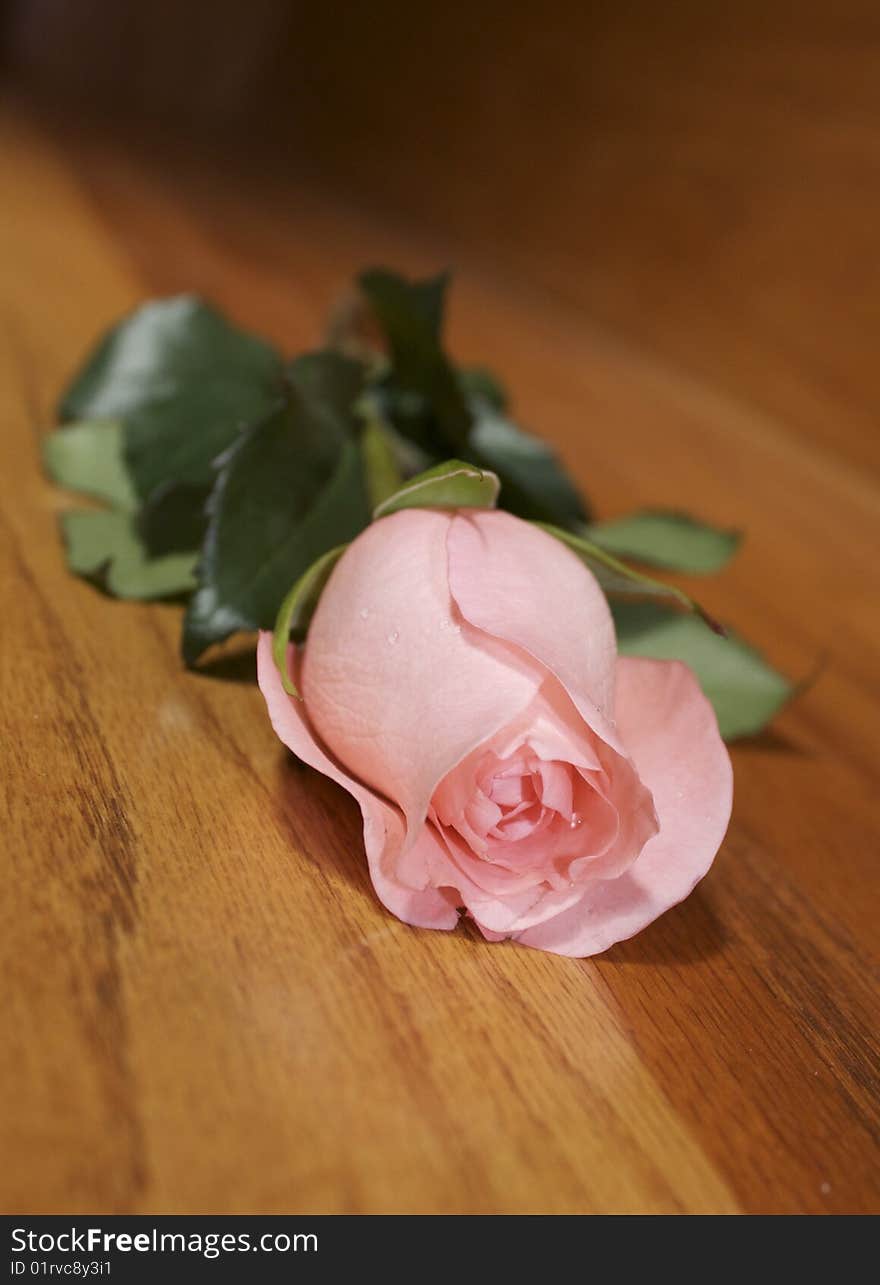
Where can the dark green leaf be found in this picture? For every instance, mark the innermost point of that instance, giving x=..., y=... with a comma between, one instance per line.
x=184, y=381
x=87, y=457
x=298, y=608
x=425, y=399
x=174, y=519
x=480, y=384
x=284, y=496
x=663, y=538
x=102, y=545
x=534, y=485
x=429, y=297
x=745, y=691
x=450, y=485
x=329, y=384
x=442, y=409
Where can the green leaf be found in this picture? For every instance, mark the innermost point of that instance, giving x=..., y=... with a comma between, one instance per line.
x=443, y=409
x=298, y=608
x=102, y=545
x=744, y=690
x=450, y=485
x=667, y=539
x=409, y=458
x=174, y=519
x=329, y=383
x=87, y=457
x=284, y=496
x=616, y=577
x=383, y=476
x=534, y=485
x=429, y=297
x=424, y=395
x=480, y=384
x=184, y=381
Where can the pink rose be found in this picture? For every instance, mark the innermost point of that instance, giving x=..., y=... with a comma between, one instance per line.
x=461, y=680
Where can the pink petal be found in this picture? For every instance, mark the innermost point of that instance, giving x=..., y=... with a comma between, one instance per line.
x=670, y=730
x=557, y=787
x=383, y=824
x=397, y=686
x=500, y=900
x=557, y=733
x=509, y=792
x=516, y=582
x=481, y=814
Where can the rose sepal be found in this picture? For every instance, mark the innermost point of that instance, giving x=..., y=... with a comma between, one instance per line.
x=454, y=484
x=297, y=609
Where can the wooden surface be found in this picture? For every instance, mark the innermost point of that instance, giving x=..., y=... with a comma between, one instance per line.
x=206, y=1009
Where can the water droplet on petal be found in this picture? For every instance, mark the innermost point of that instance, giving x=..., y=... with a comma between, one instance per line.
x=576, y=820
x=393, y=636
x=364, y=612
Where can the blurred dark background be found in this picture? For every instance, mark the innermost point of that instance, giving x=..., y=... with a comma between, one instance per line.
x=705, y=179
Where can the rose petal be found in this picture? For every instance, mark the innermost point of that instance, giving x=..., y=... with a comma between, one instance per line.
x=509, y=792
x=397, y=686
x=383, y=825
x=672, y=734
x=505, y=900
x=516, y=582
x=558, y=733
x=557, y=787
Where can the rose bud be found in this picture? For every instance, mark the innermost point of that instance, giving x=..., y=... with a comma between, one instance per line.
x=461, y=681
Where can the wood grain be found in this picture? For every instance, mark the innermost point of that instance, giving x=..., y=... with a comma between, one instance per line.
x=206, y=1008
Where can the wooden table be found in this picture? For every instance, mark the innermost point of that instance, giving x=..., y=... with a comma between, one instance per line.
x=206, y=1009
